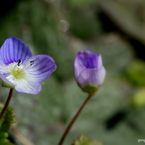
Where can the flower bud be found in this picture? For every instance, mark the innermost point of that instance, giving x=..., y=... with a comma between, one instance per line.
x=89, y=71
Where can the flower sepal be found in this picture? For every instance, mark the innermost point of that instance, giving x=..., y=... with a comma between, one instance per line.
x=90, y=89
x=7, y=85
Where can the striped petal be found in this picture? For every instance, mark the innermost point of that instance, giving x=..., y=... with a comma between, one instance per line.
x=13, y=50
x=3, y=68
x=4, y=78
x=27, y=86
x=4, y=73
x=40, y=67
x=89, y=59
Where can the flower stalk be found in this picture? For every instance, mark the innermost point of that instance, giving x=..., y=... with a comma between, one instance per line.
x=74, y=119
x=6, y=104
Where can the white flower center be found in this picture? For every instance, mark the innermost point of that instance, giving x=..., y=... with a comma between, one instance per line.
x=17, y=70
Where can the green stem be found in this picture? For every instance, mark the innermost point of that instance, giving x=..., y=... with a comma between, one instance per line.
x=6, y=104
x=73, y=120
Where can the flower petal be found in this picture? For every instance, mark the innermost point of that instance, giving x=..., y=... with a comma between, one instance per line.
x=13, y=50
x=97, y=77
x=86, y=59
x=26, y=86
x=92, y=76
x=78, y=67
x=90, y=59
x=40, y=67
x=4, y=78
x=4, y=73
x=3, y=68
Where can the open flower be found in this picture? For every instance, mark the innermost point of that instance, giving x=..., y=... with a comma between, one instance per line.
x=88, y=69
x=23, y=70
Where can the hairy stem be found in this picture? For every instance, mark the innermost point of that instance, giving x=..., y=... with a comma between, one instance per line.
x=6, y=104
x=73, y=120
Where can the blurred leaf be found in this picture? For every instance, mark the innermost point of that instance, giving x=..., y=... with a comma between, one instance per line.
x=5, y=142
x=122, y=13
x=80, y=3
x=84, y=24
x=135, y=73
x=138, y=99
x=85, y=141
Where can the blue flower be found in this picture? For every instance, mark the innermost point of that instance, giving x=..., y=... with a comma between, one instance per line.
x=23, y=70
x=88, y=69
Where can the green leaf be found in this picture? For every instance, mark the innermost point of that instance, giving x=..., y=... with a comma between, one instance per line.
x=85, y=141
x=7, y=120
x=5, y=125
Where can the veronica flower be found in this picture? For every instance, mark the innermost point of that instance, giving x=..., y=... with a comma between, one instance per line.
x=88, y=69
x=23, y=70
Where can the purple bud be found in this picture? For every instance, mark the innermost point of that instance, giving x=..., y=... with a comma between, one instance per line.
x=88, y=69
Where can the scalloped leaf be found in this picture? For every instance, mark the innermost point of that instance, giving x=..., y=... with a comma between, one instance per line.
x=7, y=120
x=85, y=141
x=5, y=125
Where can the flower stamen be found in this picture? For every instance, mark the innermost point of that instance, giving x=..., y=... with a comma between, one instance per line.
x=19, y=62
x=31, y=62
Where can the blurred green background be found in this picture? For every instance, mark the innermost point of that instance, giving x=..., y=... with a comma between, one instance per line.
x=61, y=28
